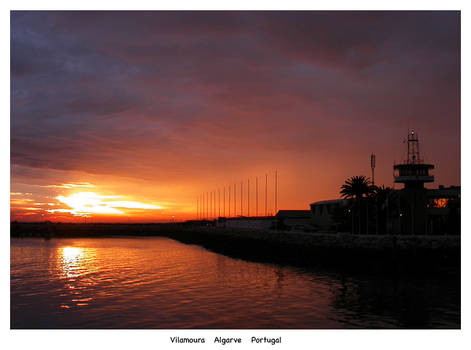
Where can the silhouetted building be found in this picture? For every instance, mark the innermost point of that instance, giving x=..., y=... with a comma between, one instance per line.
x=413, y=173
x=325, y=214
x=413, y=209
x=421, y=210
x=252, y=222
x=444, y=210
x=285, y=220
x=294, y=220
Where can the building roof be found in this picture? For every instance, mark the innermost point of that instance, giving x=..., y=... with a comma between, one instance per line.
x=293, y=214
x=244, y=218
x=331, y=201
x=452, y=191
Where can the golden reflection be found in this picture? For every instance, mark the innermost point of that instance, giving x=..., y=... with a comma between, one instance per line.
x=76, y=267
x=71, y=261
x=74, y=262
x=70, y=254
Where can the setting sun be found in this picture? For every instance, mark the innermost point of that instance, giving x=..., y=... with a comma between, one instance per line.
x=87, y=203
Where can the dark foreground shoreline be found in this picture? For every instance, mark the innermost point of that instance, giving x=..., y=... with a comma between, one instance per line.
x=366, y=253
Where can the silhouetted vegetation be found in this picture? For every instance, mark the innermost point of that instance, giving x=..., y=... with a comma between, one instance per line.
x=357, y=190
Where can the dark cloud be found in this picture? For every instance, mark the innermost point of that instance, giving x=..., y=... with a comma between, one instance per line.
x=154, y=94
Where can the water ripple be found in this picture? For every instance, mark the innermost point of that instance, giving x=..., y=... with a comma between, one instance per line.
x=160, y=283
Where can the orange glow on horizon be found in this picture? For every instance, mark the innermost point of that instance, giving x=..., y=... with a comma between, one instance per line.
x=87, y=203
x=68, y=206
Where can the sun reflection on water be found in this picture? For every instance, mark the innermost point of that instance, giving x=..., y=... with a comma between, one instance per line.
x=76, y=267
x=71, y=261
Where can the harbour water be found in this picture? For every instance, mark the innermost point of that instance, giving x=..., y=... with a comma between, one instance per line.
x=156, y=282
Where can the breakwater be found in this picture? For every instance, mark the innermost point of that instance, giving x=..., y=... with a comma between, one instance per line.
x=371, y=253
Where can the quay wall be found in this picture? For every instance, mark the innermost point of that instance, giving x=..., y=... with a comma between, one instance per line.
x=375, y=253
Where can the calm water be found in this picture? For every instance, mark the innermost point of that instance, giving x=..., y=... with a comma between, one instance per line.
x=161, y=283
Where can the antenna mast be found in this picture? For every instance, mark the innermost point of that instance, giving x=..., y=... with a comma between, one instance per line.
x=276, y=191
x=248, y=197
x=413, y=154
x=373, y=164
x=256, y=196
x=266, y=195
x=241, y=197
x=235, y=201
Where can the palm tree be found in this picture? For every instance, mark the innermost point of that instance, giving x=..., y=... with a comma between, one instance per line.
x=381, y=196
x=356, y=188
x=381, y=193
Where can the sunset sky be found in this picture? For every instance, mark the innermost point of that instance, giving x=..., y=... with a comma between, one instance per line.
x=130, y=116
